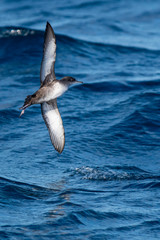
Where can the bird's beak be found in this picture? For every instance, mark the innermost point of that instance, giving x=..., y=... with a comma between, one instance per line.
x=78, y=81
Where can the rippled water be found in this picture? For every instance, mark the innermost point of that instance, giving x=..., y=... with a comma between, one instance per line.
x=105, y=185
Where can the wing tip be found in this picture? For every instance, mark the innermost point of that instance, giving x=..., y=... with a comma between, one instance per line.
x=48, y=24
x=59, y=147
x=60, y=151
x=49, y=27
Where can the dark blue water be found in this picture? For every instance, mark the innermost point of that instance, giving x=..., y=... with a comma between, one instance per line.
x=106, y=183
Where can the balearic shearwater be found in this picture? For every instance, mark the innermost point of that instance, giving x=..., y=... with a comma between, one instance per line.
x=49, y=91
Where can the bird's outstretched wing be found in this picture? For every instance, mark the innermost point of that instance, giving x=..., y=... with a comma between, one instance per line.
x=49, y=54
x=54, y=124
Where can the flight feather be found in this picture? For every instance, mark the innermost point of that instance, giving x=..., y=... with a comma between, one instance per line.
x=49, y=54
x=54, y=124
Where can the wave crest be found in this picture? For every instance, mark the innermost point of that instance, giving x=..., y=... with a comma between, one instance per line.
x=112, y=173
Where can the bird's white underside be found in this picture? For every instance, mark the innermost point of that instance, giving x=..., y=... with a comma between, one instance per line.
x=58, y=90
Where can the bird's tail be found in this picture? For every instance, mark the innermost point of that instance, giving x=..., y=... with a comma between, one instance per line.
x=26, y=104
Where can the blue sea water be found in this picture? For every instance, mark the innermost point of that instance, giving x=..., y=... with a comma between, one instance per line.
x=106, y=183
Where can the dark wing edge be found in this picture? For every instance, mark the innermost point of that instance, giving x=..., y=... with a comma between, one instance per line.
x=49, y=54
x=54, y=123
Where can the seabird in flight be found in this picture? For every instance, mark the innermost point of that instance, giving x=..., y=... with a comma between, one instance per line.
x=50, y=89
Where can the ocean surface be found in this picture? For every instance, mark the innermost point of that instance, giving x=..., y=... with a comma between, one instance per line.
x=106, y=183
